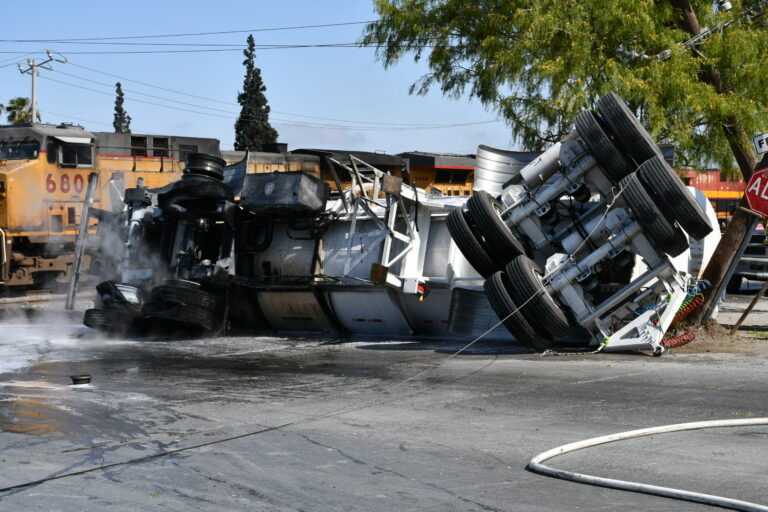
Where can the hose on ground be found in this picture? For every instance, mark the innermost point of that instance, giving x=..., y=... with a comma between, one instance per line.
x=679, y=341
x=536, y=466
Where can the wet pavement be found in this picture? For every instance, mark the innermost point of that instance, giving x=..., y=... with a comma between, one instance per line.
x=269, y=423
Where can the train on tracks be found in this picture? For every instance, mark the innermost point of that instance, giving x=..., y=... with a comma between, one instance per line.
x=44, y=173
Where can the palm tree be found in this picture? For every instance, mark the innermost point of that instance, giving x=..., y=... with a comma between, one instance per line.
x=19, y=111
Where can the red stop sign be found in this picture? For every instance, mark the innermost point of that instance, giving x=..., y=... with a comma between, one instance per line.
x=757, y=192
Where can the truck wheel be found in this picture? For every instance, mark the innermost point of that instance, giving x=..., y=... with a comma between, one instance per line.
x=108, y=320
x=194, y=188
x=626, y=129
x=673, y=197
x=468, y=243
x=182, y=315
x=175, y=294
x=496, y=288
x=202, y=164
x=115, y=293
x=486, y=214
x=665, y=235
x=599, y=144
x=538, y=306
x=96, y=318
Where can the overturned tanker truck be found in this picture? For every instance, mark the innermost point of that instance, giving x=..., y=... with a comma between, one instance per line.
x=581, y=245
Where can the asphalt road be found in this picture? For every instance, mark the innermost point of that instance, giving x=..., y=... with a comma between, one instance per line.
x=245, y=423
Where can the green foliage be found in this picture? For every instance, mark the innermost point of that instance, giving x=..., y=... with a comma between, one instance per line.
x=122, y=121
x=539, y=62
x=252, y=128
x=20, y=111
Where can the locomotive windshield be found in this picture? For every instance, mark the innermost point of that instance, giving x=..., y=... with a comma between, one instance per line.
x=19, y=150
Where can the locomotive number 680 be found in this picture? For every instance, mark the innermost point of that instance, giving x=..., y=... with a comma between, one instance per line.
x=65, y=183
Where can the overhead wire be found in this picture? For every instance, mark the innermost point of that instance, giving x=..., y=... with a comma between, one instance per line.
x=243, y=31
x=234, y=48
x=413, y=125
x=258, y=46
x=276, y=121
x=223, y=102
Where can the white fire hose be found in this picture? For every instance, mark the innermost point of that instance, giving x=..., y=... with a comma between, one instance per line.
x=536, y=466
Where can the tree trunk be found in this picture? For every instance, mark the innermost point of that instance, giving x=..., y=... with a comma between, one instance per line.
x=739, y=143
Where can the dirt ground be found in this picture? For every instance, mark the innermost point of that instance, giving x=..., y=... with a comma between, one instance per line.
x=752, y=336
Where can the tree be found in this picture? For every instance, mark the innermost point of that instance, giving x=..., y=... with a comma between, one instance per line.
x=540, y=62
x=252, y=128
x=122, y=121
x=19, y=111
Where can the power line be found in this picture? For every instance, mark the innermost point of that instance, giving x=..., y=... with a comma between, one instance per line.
x=414, y=125
x=112, y=38
x=67, y=116
x=13, y=60
x=238, y=48
x=149, y=85
x=144, y=52
x=123, y=43
x=134, y=99
x=139, y=93
x=258, y=46
x=262, y=46
x=276, y=121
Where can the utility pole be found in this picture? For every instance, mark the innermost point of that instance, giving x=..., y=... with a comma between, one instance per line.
x=33, y=65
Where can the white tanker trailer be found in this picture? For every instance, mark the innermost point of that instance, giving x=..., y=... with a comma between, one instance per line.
x=274, y=252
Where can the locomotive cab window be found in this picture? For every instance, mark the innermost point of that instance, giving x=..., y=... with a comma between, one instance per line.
x=19, y=149
x=75, y=152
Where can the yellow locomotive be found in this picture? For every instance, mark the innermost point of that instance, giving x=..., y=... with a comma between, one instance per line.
x=44, y=172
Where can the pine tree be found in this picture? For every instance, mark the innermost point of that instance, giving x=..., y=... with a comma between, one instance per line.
x=252, y=128
x=122, y=121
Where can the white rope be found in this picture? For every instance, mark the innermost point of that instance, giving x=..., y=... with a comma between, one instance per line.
x=536, y=466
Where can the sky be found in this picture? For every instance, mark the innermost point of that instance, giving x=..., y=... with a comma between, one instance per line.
x=335, y=98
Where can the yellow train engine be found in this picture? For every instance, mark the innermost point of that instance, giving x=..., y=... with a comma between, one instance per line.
x=44, y=173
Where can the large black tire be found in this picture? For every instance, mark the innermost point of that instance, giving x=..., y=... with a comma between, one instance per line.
x=664, y=235
x=469, y=245
x=112, y=294
x=626, y=129
x=602, y=148
x=538, y=307
x=193, y=188
x=109, y=320
x=202, y=164
x=501, y=244
x=175, y=294
x=673, y=198
x=181, y=315
x=183, y=283
x=496, y=289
